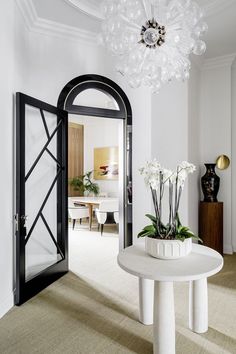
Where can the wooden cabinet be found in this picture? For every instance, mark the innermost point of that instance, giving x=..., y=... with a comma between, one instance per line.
x=211, y=225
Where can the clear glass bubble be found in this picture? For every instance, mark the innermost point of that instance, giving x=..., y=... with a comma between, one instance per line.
x=204, y=28
x=178, y=76
x=156, y=87
x=135, y=57
x=199, y=48
x=162, y=59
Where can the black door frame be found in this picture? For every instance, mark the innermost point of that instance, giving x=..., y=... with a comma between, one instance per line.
x=27, y=289
x=66, y=102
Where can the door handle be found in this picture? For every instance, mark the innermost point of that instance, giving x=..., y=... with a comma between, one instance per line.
x=23, y=219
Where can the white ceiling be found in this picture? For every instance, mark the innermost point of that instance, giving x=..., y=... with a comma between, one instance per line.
x=85, y=14
x=221, y=36
x=63, y=12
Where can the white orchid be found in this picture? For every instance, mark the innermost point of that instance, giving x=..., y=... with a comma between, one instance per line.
x=173, y=177
x=156, y=177
x=154, y=183
x=167, y=175
x=188, y=167
x=151, y=172
x=183, y=169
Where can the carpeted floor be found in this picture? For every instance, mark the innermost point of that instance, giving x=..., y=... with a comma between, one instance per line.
x=98, y=314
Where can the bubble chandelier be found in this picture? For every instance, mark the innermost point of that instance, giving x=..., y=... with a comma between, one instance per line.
x=153, y=39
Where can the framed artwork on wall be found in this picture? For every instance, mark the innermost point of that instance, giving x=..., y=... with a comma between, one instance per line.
x=106, y=163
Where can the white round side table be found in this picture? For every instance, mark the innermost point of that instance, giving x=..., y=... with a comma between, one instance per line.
x=202, y=263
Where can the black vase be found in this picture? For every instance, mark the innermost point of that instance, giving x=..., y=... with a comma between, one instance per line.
x=210, y=183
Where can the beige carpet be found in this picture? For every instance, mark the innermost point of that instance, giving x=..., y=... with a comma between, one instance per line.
x=98, y=314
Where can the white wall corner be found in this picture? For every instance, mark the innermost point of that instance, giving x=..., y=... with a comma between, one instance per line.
x=197, y=61
x=234, y=63
x=228, y=249
x=219, y=62
x=6, y=305
x=39, y=25
x=28, y=12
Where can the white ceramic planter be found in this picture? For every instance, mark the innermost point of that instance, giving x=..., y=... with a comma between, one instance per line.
x=168, y=249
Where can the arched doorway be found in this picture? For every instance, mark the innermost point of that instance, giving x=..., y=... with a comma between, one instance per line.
x=67, y=101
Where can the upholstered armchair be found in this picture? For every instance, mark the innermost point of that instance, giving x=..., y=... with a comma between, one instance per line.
x=107, y=208
x=77, y=211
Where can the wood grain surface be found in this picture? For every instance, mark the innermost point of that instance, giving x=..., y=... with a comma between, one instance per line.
x=75, y=154
x=211, y=225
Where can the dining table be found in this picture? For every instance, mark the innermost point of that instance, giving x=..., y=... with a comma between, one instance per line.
x=91, y=202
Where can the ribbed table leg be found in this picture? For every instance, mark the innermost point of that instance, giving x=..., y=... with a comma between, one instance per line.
x=198, y=306
x=146, y=294
x=164, y=318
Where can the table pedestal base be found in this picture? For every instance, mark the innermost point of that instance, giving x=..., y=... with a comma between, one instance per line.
x=198, y=306
x=146, y=295
x=164, y=318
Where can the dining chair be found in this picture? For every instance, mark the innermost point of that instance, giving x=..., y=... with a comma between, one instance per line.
x=107, y=208
x=77, y=211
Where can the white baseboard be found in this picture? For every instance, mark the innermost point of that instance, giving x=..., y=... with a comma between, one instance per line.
x=6, y=305
x=228, y=249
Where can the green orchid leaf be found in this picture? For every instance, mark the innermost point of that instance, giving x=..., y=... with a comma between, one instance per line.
x=197, y=238
x=184, y=232
x=150, y=228
x=179, y=237
x=183, y=229
x=141, y=233
x=178, y=220
x=146, y=233
x=151, y=217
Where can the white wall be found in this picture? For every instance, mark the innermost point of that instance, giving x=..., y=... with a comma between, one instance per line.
x=55, y=61
x=194, y=146
x=176, y=137
x=170, y=131
x=6, y=156
x=233, y=160
x=99, y=132
x=142, y=126
x=215, y=136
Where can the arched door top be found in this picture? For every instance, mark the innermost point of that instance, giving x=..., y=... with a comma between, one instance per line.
x=81, y=83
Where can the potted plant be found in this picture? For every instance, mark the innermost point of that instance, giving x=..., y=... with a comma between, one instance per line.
x=169, y=240
x=84, y=184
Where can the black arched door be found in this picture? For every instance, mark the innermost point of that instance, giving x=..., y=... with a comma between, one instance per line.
x=42, y=180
